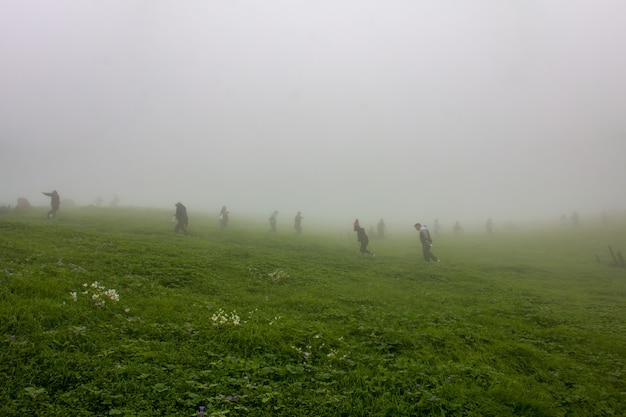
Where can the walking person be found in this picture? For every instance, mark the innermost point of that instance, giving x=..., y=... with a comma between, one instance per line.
x=427, y=243
x=437, y=228
x=224, y=217
x=55, y=203
x=382, y=228
x=362, y=238
x=298, y=223
x=273, y=222
x=489, y=226
x=457, y=230
x=182, y=219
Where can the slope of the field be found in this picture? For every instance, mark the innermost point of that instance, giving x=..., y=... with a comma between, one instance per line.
x=108, y=312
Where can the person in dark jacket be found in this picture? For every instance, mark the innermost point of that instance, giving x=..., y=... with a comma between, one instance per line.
x=427, y=243
x=382, y=228
x=273, y=222
x=182, y=219
x=362, y=238
x=298, y=223
x=55, y=202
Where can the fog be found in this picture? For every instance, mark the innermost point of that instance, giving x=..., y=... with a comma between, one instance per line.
x=403, y=110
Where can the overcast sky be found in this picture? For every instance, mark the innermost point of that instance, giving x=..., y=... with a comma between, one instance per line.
x=406, y=110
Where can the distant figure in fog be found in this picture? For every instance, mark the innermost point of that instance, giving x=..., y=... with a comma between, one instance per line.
x=115, y=201
x=98, y=201
x=273, y=222
x=298, y=223
x=362, y=238
x=427, y=242
x=182, y=219
x=575, y=219
x=489, y=227
x=381, y=229
x=55, y=203
x=224, y=217
x=457, y=230
x=436, y=228
x=563, y=220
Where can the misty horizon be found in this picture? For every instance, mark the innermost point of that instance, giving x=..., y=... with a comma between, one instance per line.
x=407, y=111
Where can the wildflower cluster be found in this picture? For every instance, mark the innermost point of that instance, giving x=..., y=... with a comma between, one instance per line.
x=76, y=268
x=276, y=276
x=305, y=353
x=222, y=318
x=320, y=349
x=97, y=293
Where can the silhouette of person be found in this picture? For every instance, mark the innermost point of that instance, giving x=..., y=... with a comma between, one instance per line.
x=182, y=219
x=224, y=217
x=457, y=228
x=436, y=228
x=55, y=203
x=298, y=223
x=489, y=226
x=362, y=238
x=381, y=227
x=427, y=242
x=273, y=222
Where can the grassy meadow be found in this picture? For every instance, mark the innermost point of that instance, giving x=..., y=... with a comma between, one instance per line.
x=106, y=312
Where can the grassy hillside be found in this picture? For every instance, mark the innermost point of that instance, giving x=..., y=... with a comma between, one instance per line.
x=108, y=312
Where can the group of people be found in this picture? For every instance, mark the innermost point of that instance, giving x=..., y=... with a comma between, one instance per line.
x=297, y=223
x=182, y=219
x=182, y=223
x=425, y=239
x=362, y=238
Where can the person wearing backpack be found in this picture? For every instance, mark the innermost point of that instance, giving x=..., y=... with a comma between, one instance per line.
x=362, y=238
x=427, y=243
x=182, y=218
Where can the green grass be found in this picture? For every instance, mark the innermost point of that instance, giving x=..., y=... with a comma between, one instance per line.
x=242, y=322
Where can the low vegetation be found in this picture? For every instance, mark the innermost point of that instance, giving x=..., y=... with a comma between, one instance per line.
x=107, y=312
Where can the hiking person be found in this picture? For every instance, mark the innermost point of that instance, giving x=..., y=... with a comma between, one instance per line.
x=224, y=217
x=362, y=238
x=273, y=222
x=182, y=219
x=55, y=202
x=381, y=229
x=437, y=227
x=489, y=226
x=298, y=223
x=427, y=243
